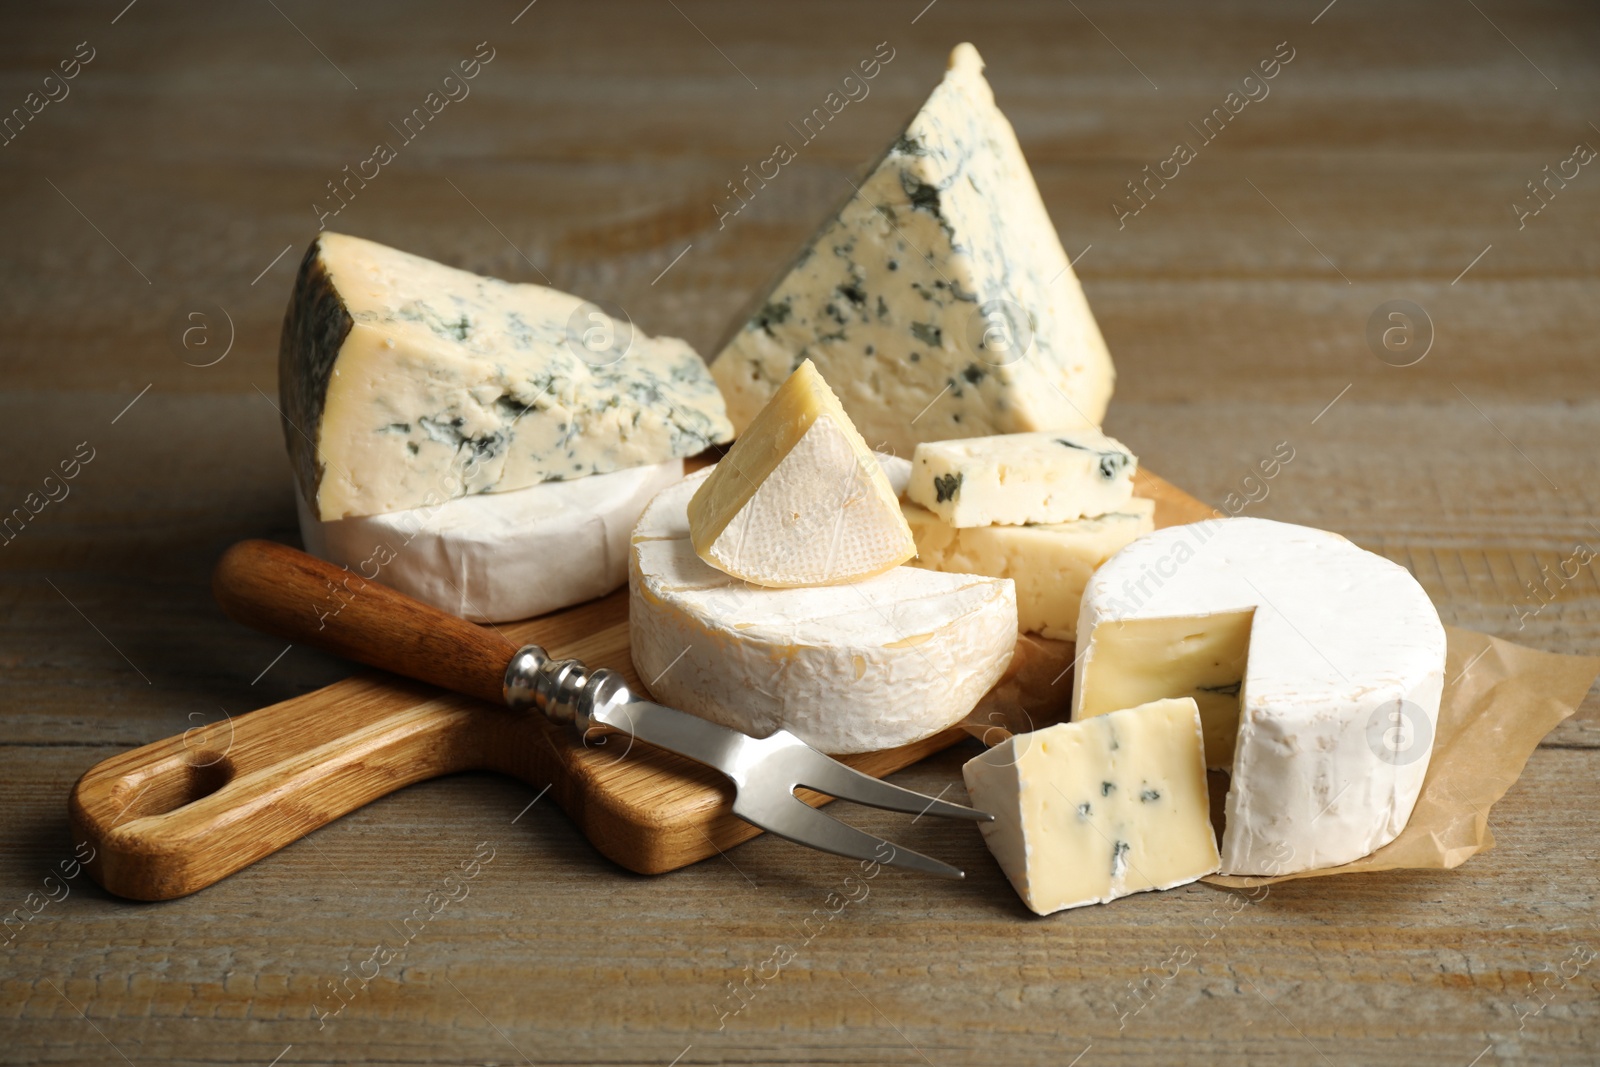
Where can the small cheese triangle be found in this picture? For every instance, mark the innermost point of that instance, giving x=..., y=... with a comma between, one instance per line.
x=939, y=301
x=800, y=499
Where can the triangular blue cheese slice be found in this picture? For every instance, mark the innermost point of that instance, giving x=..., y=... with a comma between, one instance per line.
x=938, y=302
x=405, y=383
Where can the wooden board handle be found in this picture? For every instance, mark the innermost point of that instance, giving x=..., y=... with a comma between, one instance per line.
x=174, y=816
x=283, y=591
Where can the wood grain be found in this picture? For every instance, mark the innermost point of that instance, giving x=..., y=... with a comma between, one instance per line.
x=1388, y=153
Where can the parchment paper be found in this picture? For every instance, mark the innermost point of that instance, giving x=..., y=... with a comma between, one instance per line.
x=1500, y=700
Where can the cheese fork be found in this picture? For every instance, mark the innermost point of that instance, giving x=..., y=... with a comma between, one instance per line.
x=288, y=593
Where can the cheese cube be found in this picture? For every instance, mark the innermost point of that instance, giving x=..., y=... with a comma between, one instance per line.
x=1086, y=812
x=1051, y=563
x=1012, y=479
x=800, y=499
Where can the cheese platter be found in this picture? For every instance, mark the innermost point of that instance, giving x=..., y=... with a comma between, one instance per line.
x=906, y=524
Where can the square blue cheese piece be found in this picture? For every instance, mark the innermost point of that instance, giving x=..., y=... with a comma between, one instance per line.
x=405, y=383
x=1022, y=478
x=1085, y=812
x=938, y=302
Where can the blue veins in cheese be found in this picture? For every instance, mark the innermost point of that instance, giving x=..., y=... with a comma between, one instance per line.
x=1085, y=812
x=404, y=382
x=1019, y=478
x=938, y=302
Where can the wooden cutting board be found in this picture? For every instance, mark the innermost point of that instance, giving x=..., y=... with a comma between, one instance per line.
x=175, y=816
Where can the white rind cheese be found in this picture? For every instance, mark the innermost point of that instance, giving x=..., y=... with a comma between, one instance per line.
x=499, y=557
x=852, y=668
x=1051, y=563
x=799, y=499
x=405, y=383
x=1086, y=812
x=1337, y=659
x=1014, y=479
x=938, y=303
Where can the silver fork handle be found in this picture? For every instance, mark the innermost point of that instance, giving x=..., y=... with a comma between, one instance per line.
x=569, y=693
x=565, y=690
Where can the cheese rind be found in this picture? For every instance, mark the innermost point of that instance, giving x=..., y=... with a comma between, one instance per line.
x=851, y=668
x=1014, y=479
x=938, y=302
x=1051, y=563
x=499, y=557
x=1086, y=812
x=799, y=499
x=404, y=382
x=1335, y=638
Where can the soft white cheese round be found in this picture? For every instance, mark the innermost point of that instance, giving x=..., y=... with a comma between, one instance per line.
x=1338, y=692
x=498, y=557
x=870, y=665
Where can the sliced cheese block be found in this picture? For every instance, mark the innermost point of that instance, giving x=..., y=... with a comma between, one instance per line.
x=1013, y=479
x=1303, y=651
x=498, y=557
x=404, y=383
x=848, y=668
x=1085, y=812
x=799, y=498
x=938, y=302
x=1050, y=563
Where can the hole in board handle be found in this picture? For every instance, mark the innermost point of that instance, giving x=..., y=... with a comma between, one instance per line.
x=173, y=783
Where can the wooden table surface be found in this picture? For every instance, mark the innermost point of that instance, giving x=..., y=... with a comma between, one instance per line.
x=176, y=175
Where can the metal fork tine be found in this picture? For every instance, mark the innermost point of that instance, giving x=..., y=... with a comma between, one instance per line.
x=766, y=771
x=788, y=816
x=836, y=779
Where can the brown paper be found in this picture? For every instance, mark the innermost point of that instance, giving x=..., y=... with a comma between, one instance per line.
x=1500, y=700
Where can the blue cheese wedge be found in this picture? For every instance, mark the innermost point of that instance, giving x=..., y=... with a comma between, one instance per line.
x=938, y=302
x=1086, y=812
x=1014, y=479
x=405, y=383
x=1050, y=562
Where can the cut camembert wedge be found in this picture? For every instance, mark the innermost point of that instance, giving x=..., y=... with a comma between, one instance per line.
x=799, y=500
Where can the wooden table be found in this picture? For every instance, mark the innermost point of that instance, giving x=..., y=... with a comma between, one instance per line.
x=177, y=179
